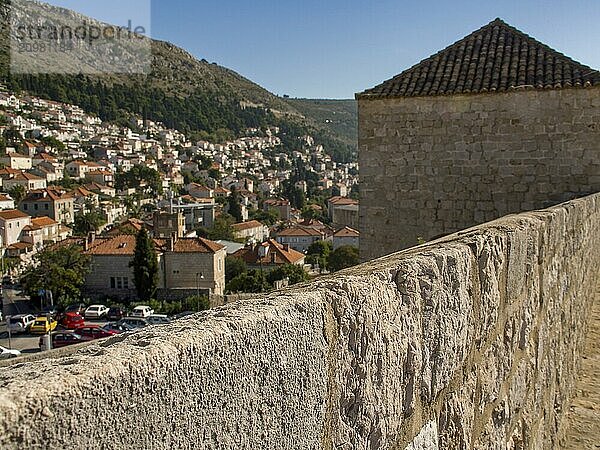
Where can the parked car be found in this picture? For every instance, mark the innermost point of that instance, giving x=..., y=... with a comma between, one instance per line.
x=7, y=353
x=157, y=319
x=117, y=327
x=20, y=323
x=71, y=320
x=96, y=312
x=78, y=308
x=91, y=332
x=43, y=325
x=61, y=339
x=142, y=311
x=115, y=313
x=135, y=322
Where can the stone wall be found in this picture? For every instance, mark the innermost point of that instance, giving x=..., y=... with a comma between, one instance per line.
x=470, y=342
x=435, y=165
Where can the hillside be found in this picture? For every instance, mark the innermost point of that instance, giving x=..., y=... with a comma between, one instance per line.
x=183, y=92
x=338, y=116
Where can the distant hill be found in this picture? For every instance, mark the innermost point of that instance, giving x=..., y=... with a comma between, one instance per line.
x=183, y=92
x=338, y=116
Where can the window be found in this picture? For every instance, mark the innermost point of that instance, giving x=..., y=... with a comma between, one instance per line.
x=35, y=206
x=119, y=283
x=46, y=206
x=25, y=206
x=112, y=283
x=220, y=264
x=125, y=283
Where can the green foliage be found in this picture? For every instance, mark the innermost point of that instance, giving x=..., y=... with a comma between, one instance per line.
x=67, y=182
x=61, y=270
x=54, y=143
x=268, y=218
x=222, y=228
x=139, y=176
x=343, y=257
x=319, y=252
x=235, y=205
x=253, y=281
x=17, y=193
x=295, y=274
x=234, y=267
x=90, y=221
x=145, y=266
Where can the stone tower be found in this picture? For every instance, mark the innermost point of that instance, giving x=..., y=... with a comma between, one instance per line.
x=496, y=123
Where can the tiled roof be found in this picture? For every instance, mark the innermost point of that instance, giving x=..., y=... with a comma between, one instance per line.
x=124, y=244
x=246, y=225
x=43, y=221
x=300, y=231
x=495, y=58
x=342, y=201
x=281, y=255
x=12, y=214
x=346, y=232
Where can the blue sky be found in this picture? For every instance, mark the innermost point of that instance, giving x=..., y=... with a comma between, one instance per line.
x=334, y=48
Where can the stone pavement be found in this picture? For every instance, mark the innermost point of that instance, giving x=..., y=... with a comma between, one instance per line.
x=583, y=418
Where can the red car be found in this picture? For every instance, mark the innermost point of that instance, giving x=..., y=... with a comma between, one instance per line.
x=62, y=339
x=72, y=321
x=91, y=332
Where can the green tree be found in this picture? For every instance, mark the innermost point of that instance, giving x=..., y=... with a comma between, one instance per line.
x=145, y=266
x=222, y=228
x=17, y=193
x=140, y=176
x=319, y=252
x=295, y=274
x=234, y=267
x=253, y=281
x=343, y=257
x=54, y=143
x=61, y=270
x=235, y=205
x=85, y=223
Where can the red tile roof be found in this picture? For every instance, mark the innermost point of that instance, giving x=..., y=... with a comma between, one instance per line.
x=281, y=256
x=246, y=225
x=12, y=214
x=346, y=232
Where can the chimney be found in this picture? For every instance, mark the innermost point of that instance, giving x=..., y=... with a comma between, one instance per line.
x=91, y=238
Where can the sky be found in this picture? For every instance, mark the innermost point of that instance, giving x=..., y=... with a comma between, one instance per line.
x=335, y=48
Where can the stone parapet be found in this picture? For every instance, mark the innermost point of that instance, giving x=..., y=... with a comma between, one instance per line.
x=468, y=342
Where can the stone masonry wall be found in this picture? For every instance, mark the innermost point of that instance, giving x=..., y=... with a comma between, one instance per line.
x=435, y=165
x=469, y=342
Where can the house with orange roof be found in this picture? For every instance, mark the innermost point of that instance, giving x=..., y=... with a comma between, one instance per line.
x=53, y=202
x=6, y=202
x=16, y=161
x=28, y=180
x=299, y=238
x=100, y=176
x=346, y=236
x=251, y=230
x=186, y=266
x=282, y=206
x=343, y=211
x=12, y=223
x=269, y=255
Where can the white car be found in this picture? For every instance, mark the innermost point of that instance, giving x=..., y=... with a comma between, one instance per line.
x=20, y=323
x=157, y=319
x=6, y=353
x=142, y=311
x=96, y=312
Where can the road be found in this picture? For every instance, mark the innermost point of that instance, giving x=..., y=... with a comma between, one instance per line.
x=15, y=303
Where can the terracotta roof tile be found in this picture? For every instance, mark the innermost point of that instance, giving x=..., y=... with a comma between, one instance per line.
x=12, y=214
x=495, y=58
x=246, y=225
x=281, y=255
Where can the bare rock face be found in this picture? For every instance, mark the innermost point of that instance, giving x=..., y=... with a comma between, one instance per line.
x=468, y=342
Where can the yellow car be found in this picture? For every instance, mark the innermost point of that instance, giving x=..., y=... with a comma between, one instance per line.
x=42, y=325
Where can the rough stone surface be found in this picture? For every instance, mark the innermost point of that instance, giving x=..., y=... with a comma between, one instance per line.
x=430, y=166
x=469, y=342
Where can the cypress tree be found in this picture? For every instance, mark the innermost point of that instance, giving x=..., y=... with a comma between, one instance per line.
x=145, y=266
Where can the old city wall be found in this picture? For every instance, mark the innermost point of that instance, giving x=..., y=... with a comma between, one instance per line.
x=471, y=341
x=434, y=165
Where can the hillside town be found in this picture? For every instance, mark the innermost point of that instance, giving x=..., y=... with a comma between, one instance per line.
x=68, y=177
